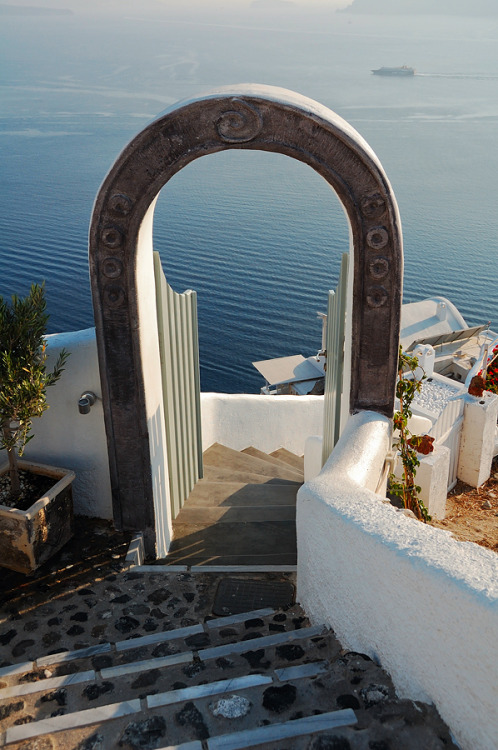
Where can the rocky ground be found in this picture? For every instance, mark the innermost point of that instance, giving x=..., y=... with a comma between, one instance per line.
x=472, y=513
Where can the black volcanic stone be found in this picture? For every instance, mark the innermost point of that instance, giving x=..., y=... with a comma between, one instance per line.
x=278, y=699
x=125, y=624
x=49, y=639
x=10, y=708
x=198, y=640
x=79, y=617
x=164, y=649
x=150, y=625
x=290, y=652
x=54, y=621
x=189, y=596
x=146, y=679
x=92, y=692
x=193, y=669
x=191, y=717
x=123, y=599
x=228, y=633
x=95, y=742
x=224, y=663
x=274, y=627
x=347, y=701
x=20, y=648
x=159, y=596
x=143, y=735
x=75, y=630
x=280, y=617
x=59, y=696
x=254, y=657
x=256, y=622
x=6, y=637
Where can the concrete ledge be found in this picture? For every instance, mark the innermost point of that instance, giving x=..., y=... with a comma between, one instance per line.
x=408, y=595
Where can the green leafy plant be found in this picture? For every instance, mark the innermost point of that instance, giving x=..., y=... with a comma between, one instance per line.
x=408, y=385
x=23, y=376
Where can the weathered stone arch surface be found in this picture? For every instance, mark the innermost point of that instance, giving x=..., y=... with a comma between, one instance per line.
x=243, y=117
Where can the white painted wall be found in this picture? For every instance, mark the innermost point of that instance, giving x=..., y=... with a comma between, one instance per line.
x=408, y=595
x=64, y=437
x=151, y=364
x=265, y=422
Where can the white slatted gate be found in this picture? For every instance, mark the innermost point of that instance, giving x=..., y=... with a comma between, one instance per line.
x=336, y=316
x=179, y=350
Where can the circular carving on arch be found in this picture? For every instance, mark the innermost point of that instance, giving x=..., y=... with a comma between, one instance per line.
x=240, y=124
x=377, y=238
x=373, y=205
x=378, y=267
x=120, y=204
x=114, y=296
x=112, y=268
x=377, y=296
x=112, y=236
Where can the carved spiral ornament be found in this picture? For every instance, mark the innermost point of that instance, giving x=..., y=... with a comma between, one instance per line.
x=377, y=238
x=373, y=205
x=120, y=204
x=112, y=268
x=112, y=237
x=240, y=124
x=378, y=267
x=114, y=296
x=377, y=296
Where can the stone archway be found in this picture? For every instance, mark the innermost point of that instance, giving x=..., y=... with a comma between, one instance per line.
x=242, y=117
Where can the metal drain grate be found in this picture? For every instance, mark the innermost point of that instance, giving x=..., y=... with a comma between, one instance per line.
x=234, y=595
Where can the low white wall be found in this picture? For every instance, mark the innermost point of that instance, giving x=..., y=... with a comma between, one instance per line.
x=64, y=437
x=265, y=422
x=406, y=594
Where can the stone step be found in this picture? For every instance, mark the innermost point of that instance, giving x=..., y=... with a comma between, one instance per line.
x=235, y=494
x=296, y=462
x=186, y=715
x=226, y=514
x=249, y=543
x=274, y=459
x=76, y=695
x=222, y=474
x=214, y=632
x=218, y=455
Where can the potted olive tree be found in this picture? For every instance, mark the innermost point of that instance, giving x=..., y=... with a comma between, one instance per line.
x=35, y=500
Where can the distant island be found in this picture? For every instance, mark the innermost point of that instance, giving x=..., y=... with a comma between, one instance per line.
x=424, y=7
x=33, y=10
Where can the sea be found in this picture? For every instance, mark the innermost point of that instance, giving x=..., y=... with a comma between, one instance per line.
x=258, y=236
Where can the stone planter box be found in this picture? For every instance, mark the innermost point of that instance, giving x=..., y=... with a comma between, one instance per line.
x=29, y=538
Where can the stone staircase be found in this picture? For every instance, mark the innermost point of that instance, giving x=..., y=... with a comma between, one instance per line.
x=264, y=678
x=242, y=512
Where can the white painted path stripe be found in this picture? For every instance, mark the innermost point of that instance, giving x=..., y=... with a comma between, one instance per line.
x=71, y=721
x=275, y=732
x=212, y=688
x=255, y=643
x=39, y=686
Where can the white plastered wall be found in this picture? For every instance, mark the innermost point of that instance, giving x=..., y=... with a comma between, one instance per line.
x=408, y=595
x=265, y=422
x=64, y=437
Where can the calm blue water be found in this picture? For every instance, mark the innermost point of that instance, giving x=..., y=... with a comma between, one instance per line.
x=258, y=236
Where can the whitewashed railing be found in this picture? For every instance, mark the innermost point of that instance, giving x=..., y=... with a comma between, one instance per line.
x=179, y=350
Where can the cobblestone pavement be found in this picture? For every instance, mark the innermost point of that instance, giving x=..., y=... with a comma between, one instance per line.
x=160, y=652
